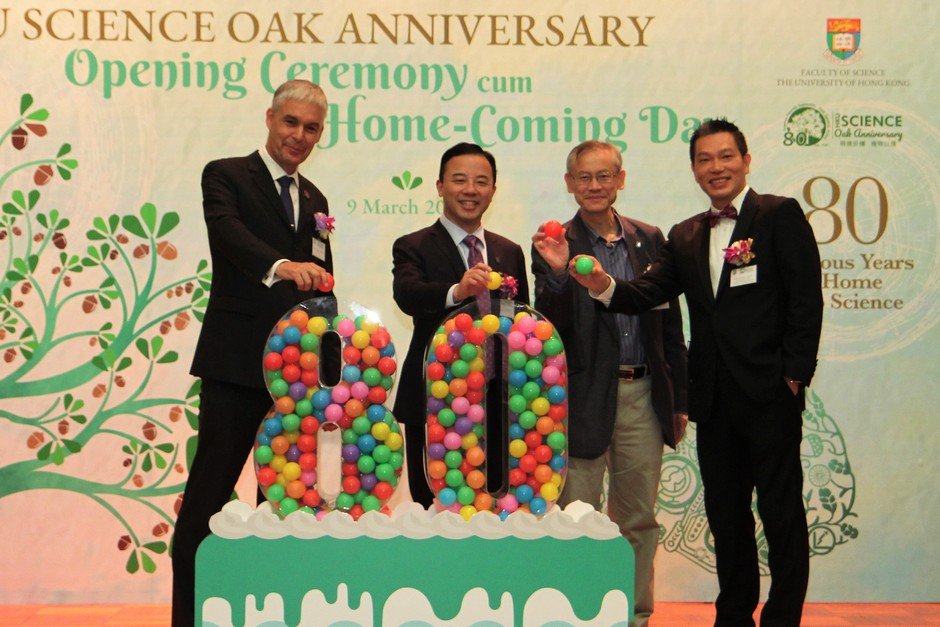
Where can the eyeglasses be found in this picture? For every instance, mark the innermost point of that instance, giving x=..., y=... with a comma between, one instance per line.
x=603, y=178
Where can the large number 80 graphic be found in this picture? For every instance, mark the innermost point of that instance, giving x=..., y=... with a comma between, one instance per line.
x=325, y=447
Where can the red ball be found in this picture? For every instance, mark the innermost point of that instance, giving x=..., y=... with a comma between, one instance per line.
x=352, y=355
x=327, y=283
x=476, y=335
x=266, y=476
x=475, y=380
x=436, y=433
x=273, y=361
x=463, y=322
x=386, y=365
x=558, y=412
x=350, y=469
x=307, y=443
x=380, y=339
x=542, y=454
x=437, y=485
x=290, y=373
x=474, y=396
x=377, y=395
x=383, y=490
x=345, y=422
x=290, y=354
x=356, y=511
x=466, y=468
x=351, y=484
x=311, y=498
x=436, y=371
x=310, y=378
x=534, y=484
x=307, y=462
x=533, y=439
x=527, y=463
x=553, y=229
x=310, y=425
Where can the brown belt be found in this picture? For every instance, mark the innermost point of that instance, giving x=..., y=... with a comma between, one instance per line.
x=632, y=373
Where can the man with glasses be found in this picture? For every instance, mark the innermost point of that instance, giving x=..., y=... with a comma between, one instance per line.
x=627, y=374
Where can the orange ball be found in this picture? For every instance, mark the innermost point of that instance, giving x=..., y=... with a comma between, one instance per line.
x=295, y=489
x=545, y=425
x=458, y=387
x=476, y=479
x=299, y=318
x=284, y=405
x=308, y=360
x=483, y=502
x=371, y=355
x=437, y=469
x=281, y=325
x=279, y=444
x=543, y=473
x=475, y=456
x=543, y=330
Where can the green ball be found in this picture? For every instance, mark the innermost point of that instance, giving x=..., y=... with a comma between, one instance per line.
x=527, y=420
x=372, y=377
x=362, y=425
x=584, y=265
x=382, y=454
x=263, y=454
x=371, y=503
x=274, y=493
x=309, y=342
x=387, y=382
x=288, y=506
x=479, y=430
x=466, y=495
x=385, y=472
x=366, y=464
x=531, y=390
x=345, y=501
x=395, y=461
x=552, y=346
x=350, y=436
x=518, y=360
x=454, y=478
x=533, y=368
x=290, y=422
x=453, y=459
x=469, y=352
x=460, y=368
x=303, y=407
x=556, y=441
x=279, y=387
x=517, y=403
x=446, y=417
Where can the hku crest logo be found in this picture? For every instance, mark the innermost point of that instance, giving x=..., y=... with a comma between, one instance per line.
x=842, y=37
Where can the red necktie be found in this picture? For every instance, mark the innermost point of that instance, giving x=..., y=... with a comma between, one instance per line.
x=714, y=217
x=473, y=258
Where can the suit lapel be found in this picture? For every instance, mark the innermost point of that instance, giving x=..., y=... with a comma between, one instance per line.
x=267, y=188
x=742, y=227
x=699, y=238
x=447, y=249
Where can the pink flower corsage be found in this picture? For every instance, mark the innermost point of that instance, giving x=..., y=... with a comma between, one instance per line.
x=325, y=224
x=739, y=253
x=510, y=286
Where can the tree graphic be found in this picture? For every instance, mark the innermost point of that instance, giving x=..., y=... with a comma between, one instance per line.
x=104, y=306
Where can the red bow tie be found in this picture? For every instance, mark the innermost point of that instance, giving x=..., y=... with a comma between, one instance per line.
x=728, y=212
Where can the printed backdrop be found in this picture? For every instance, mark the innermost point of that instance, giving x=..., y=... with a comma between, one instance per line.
x=109, y=110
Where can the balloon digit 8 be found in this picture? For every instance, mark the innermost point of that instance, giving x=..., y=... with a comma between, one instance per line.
x=315, y=429
x=456, y=413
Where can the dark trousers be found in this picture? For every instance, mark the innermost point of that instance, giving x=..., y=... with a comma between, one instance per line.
x=229, y=416
x=742, y=446
x=415, y=452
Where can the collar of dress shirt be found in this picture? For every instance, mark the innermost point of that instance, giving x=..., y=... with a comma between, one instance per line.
x=736, y=203
x=275, y=169
x=457, y=234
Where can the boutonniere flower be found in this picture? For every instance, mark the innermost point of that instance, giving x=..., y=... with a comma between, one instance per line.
x=507, y=284
x=324, y=224
x=739, y=253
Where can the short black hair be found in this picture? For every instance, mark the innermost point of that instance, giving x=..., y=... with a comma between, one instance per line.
x=717, y=125
x=465, y=148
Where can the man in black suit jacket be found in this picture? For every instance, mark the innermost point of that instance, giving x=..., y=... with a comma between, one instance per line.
x=626, y=374
x=266, y=258
x=432, y=276
x=753, y=286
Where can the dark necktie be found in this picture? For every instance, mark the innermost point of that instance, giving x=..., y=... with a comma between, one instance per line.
x=473, y=258
x=286, y=200
x=714, y=217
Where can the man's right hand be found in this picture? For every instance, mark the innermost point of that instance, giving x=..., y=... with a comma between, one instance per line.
x=554, y=251
x=307, y=275
x=472, y=282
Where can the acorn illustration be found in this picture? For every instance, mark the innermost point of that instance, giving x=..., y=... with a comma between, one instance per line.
x=43, y=174
x=124, y=542
x=19, y=138
x=35, y=439
x=141, y=251
x=58, y=238
x=181, y=321
x=176, y=412
x=166, y=250
x=150, y=431
x=90, y=303
x=63, y=426
x=161, y=529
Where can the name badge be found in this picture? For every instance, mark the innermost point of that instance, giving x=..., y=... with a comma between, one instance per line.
x=743, y=276
x=318, y=248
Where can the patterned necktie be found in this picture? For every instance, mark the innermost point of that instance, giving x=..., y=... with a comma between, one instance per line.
x=285, y=182
x=473, y=258
x=714, y=217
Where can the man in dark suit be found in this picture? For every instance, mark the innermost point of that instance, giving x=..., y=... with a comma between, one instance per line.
x=749, y=269
x=436, y=269
x=626, y=374
x=266, y=258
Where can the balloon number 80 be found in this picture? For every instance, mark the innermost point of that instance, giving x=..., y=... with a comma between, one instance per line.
x=327, y=447
x=536, y=397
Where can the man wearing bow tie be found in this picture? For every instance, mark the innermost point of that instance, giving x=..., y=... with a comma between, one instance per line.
x=749, y=269
x=266, y=258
